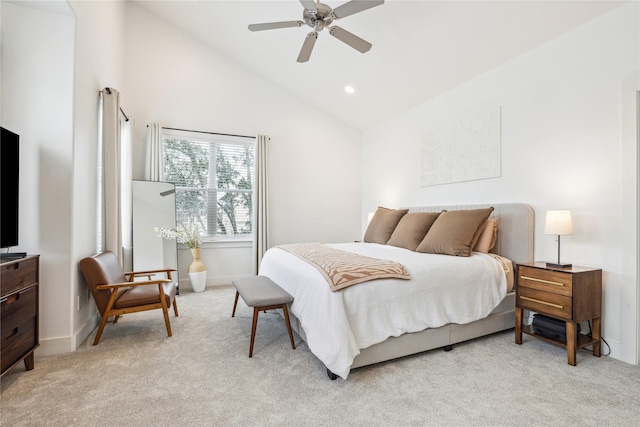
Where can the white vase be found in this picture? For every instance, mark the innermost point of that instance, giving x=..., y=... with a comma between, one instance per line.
x=198, y=280
x=197, y=272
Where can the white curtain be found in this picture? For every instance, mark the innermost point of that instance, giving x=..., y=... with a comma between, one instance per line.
x=154, y=161
x=111, y=150
x=261, y=223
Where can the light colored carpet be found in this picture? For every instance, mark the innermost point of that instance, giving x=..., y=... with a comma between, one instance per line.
x=202, y=376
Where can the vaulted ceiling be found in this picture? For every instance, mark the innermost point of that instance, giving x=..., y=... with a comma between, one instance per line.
x=420, y=48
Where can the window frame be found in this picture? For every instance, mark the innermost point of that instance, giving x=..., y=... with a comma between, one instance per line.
x=211, y=137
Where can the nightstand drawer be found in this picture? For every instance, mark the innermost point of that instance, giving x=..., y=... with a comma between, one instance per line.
x=549, y=303
x=545, y=280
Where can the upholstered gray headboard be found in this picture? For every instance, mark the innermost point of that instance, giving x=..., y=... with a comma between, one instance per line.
x=515, y=227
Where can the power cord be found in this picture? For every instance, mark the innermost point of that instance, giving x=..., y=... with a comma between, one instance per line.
x=603, y=340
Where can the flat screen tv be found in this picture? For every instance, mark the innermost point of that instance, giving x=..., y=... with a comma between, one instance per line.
x=9, y=174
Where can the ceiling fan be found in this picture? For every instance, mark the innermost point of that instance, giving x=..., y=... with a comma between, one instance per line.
x=320, y=16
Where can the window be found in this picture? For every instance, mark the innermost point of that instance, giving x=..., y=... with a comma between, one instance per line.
x=214, y=177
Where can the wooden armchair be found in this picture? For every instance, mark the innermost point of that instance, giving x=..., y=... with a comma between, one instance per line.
x=116, y=293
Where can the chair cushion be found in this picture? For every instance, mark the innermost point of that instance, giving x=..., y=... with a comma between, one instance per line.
x=148, y=294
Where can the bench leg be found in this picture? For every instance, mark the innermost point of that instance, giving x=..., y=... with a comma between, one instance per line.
x=254, y=325
x=235, y=303
x=253, y=330
x=286, y=317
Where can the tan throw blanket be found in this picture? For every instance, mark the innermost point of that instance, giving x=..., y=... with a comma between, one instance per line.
x=343, y=269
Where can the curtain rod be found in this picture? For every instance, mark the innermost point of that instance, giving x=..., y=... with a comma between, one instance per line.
x=210, y=133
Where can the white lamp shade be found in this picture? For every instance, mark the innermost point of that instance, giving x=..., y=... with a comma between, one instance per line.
x=558, y=222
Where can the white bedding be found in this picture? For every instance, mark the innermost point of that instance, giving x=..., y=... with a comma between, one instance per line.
x=443, y=289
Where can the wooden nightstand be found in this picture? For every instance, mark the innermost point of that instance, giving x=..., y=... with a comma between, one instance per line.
x=570, y=294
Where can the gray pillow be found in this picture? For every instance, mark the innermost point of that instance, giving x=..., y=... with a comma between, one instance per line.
x=455, y=232
x=411, y=229
x=382, y=224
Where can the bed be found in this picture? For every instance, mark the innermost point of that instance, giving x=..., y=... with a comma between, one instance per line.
x=390, y=318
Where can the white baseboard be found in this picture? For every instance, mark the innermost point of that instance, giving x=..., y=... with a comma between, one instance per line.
x=52, y=346
x=61, y=345
x=211, y=281
x=86, y=330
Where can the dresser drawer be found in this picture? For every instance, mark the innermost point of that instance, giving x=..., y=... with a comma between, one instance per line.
x=545, y=280
x=18, y=342
x=19, y=312
x=549, y=303
x=16, y=275
x=18, y=307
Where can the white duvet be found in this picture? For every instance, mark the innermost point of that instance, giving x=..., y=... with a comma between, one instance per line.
x=443, y=289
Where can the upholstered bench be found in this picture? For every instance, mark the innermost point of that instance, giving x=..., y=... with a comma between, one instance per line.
x=262, y=294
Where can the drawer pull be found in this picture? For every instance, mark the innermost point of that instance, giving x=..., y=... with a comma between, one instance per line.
x=542, y=302
x=10, y=299
x=13, y=332
x=543, y=281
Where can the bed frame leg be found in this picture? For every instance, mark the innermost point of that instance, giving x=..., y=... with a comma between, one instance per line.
x=448, y=347
x=331, y=375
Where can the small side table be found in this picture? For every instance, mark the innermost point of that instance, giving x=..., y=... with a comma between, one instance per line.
x=570, y=294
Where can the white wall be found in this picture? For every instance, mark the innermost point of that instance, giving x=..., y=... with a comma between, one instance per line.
x=53, y=65
x=562, y=148
x=177, y=81
x=99, y=42
x=37, y=103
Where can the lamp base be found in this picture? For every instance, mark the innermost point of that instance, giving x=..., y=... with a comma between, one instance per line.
x=558, y=265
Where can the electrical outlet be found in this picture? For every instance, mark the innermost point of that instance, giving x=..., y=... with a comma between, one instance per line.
x=78, y=305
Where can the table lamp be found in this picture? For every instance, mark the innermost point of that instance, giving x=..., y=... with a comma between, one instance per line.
x=558, y=223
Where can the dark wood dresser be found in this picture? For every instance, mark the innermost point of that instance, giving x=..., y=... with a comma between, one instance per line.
x=19, y=311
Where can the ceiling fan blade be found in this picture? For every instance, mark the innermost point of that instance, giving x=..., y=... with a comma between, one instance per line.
x=310, y=5
x=307, y=47
x=351, y=39
x=274, y=25
x=355, y=6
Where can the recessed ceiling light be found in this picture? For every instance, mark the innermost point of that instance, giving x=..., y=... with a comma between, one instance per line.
x=349, y=89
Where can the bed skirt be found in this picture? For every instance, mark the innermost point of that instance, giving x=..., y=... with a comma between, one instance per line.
x=500, y=319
